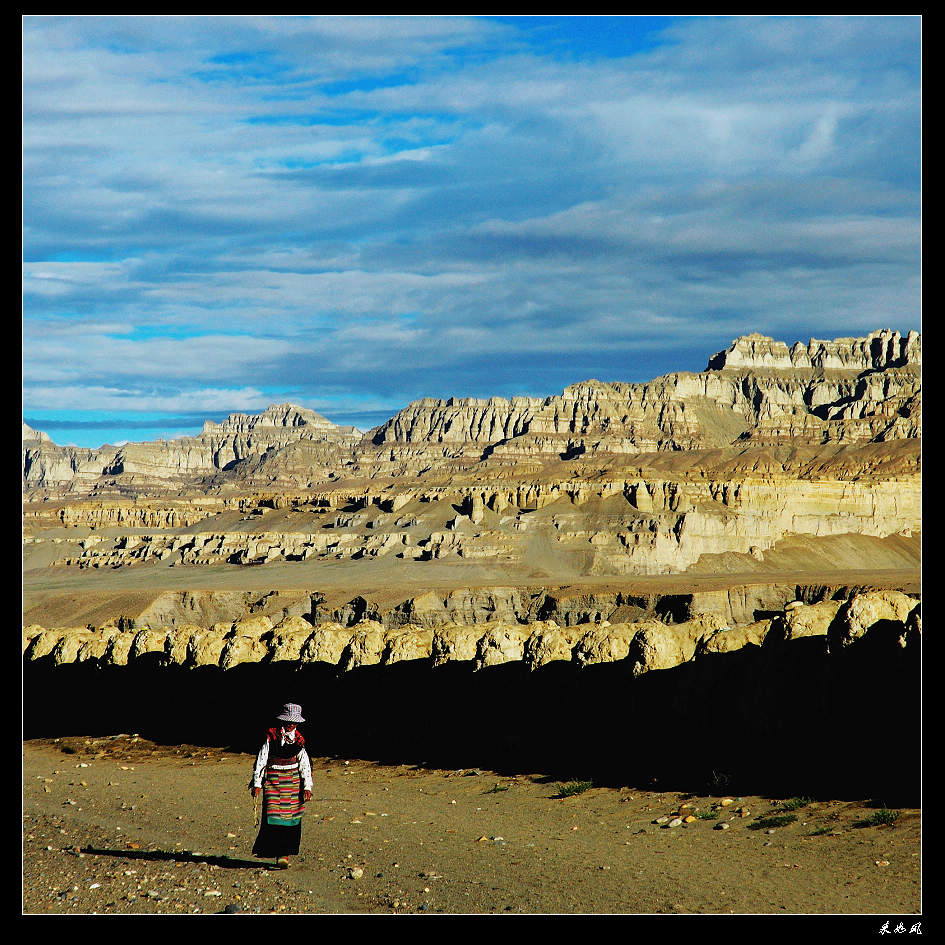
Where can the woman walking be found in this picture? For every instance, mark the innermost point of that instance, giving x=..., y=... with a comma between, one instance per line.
x=284, y=775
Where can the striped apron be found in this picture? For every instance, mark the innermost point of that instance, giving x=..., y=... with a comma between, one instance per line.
x=282, y=795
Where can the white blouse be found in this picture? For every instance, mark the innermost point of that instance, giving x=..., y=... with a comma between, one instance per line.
x=262, y=760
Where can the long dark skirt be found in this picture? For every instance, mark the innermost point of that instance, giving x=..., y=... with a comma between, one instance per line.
x=277, y=841
x=281, y=829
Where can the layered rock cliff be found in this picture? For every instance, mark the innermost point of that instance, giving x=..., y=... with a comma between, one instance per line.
x=758, y=390
x=606, y=479
x=792, y=704
x=879, y=350
x=847, y=390
x=188, y=461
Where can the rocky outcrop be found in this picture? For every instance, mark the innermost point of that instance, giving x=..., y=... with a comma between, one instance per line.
x=879, y=350
x=325, y=644
x=407, y=643
x=889, y=620
x=658, y=647
x=289, y=639
x=459, y=420
x=457, y=617
x=63, y=469
x=548, y=643
x=800, y=620
x=274, y=422
x=501, y=643
x=729, y=639
x=33, y=437
x=606, y=642
x=454, y=643
x=880, y=612
x=778, y=719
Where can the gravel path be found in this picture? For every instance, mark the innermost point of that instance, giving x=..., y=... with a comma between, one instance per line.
x=119, y=825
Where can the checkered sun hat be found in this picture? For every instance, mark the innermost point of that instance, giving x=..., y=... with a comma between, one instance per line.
x=291, y=713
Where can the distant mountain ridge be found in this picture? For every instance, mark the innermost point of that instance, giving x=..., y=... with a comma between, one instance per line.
x=849, y=390
x=276, y=415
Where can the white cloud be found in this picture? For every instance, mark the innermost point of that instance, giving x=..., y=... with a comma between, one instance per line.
x=347, y=202
x=134, y=400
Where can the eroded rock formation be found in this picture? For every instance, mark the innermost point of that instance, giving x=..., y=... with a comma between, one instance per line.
x=646, y=523
x=166, y=464
x=887, y=619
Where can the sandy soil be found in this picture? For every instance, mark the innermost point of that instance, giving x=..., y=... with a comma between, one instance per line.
x=120, y=825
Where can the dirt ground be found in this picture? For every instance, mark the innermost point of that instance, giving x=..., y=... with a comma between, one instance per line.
x=119, y=825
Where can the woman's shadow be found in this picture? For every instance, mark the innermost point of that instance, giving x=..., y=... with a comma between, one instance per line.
x=184, y=856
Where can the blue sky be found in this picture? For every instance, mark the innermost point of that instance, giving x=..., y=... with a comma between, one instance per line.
x=349, y=213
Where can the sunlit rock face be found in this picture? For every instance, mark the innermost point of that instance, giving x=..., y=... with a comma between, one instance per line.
x=845, y=390
x=888, y=621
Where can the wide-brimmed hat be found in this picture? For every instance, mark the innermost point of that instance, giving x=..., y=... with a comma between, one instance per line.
x=290, y=713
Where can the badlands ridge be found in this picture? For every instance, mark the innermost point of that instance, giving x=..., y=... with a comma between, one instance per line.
x=768, y=497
